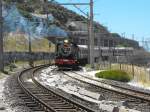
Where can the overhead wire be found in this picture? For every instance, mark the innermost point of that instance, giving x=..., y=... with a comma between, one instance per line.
x=81, y=10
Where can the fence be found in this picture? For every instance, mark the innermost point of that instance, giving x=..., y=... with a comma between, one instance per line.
x=139, y=74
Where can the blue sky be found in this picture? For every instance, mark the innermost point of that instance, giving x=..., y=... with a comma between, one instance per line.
x=129, y=16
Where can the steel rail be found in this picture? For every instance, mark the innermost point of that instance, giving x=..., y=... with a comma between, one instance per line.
x=119, y=86
x=39, y=101
x=69, y=100
x=109, y=89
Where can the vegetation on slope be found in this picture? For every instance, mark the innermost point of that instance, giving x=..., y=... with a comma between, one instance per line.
x=20, y=43
x=117, y=75
x=61, y=14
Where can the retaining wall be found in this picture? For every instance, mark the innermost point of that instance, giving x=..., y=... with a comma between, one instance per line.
x=26, y=56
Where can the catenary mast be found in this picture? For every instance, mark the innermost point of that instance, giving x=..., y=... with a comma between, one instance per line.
x=91, y=36
x=1, y=39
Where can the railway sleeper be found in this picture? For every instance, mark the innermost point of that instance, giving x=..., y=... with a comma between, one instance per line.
x=27, y=99
x=54, y=98
x=19, y=93
x=61, y=105
x=68, y=110
x=41, y=94
x=24, y=97
x=39, y=111
x=33, y=88
x=55, y=101
x=28, y=84
x=65, y=105
x=39, y=91
x=36, y=108
x=31, y=104
x=17, y=88
x=49, y=98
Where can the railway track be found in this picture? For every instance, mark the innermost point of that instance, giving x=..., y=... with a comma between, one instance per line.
x=109, y=86
x=135, y=99
x=41, y=99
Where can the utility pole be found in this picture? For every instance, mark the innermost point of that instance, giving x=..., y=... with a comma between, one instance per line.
x=1, y=39
x=91, y=36
x=30, y=47
x=45, y=9
x=91, y=30
x=30, y=50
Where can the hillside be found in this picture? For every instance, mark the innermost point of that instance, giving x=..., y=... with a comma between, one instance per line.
x=58, y=16
x=36, y=19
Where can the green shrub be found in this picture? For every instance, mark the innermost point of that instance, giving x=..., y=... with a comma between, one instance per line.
x=117, y=75
x=88, y=67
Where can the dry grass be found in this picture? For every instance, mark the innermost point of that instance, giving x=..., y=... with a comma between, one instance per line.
x=20, y=43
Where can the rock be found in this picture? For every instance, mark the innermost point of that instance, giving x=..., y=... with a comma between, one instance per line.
x=89, y=94
x=123, y=109
x=106, y=107
x=2, y=108
x=101, y=97
x=123, y=103
x=116, y=109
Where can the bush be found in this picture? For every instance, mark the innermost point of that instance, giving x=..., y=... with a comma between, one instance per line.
x=88, y=67
x=117, y=75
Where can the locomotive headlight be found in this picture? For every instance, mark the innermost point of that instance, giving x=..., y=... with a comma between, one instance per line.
x=66, y=41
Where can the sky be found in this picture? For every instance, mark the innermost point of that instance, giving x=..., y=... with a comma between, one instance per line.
x=121, y=16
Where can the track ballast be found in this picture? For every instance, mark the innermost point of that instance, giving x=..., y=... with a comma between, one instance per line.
x=39, y=98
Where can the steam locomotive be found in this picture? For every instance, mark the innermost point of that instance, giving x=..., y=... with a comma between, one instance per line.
x=67, y=55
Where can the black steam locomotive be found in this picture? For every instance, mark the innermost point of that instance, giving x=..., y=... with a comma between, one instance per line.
x=67, y=55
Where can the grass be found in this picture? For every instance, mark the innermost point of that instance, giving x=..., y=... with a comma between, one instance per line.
x=20, y=43
x=116, y=75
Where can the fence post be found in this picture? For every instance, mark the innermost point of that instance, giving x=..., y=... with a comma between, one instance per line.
x=149, y=75
x=133, y=70
x=146, y=75
x=120, y=66
x=110, y=65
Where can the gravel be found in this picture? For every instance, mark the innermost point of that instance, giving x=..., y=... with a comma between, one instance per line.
x=9, y=101
x=74, y=88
